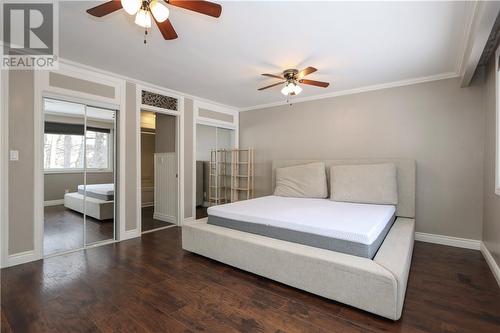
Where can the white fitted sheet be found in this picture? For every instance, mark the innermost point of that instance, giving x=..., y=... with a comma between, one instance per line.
x=104, y=189
x=360, y=223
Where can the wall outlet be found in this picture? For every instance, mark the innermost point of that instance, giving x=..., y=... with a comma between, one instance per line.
x=14, y=155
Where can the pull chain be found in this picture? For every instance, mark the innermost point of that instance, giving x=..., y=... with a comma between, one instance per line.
x=145, y=35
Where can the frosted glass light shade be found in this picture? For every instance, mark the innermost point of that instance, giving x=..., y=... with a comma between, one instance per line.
x=143, y=19
x=297, y=89
x=285, y=91
x=131, y=6
x=160, y=12
x=291, y=88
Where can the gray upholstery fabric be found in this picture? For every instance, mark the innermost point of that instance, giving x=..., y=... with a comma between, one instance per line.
x=364, y=183
x=406, y=178
x=302, y=181
x=305, y=238
x=395, y=255
x=377, y=286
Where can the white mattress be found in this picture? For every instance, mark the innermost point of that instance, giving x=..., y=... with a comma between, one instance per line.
x=104, y=189
x=360, y=223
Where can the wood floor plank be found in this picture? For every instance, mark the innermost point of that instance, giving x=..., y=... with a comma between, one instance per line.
x=152, y=285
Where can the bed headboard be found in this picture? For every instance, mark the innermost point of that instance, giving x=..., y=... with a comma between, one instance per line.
x=406, y=178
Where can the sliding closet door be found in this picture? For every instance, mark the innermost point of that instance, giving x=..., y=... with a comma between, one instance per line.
x=100, y=175
x=64, y=176
x=225, y=138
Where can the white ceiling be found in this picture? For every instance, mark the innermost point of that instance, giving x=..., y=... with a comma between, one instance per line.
x=353, y=45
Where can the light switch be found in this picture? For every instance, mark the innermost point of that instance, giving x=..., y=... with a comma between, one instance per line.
x=14, y=155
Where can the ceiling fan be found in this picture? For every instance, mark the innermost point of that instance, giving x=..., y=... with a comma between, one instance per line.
x=146, y=11
x=291, y=79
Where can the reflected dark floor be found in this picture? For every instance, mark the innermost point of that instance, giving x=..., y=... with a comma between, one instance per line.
x=63, y=230
x=150, y=223
x=201, y=212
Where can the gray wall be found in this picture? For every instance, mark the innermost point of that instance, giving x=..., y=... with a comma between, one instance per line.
x=131, y=157
x=438, y=124
x=165, y=133
x=491, y=225
x=147, y=160
x=21, y=173
x=55, y=184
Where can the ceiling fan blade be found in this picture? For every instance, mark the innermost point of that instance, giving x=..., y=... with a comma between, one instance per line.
x=166, y=29
x=306, y=71
x=272, y=85
x=315, y=83
x=274, y=76
x=105, y=9
x=203, y=7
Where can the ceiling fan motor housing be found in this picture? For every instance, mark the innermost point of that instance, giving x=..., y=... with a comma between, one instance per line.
x=290, y=74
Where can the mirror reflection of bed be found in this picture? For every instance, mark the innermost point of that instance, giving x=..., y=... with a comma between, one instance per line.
x=79, y=163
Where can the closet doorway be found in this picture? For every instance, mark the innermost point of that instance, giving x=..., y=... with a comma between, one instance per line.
x=79, y=161
x=208, y=138
x=159, y=175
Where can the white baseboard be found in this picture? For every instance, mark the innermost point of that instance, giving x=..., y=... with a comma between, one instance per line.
x=465, y=243
x=164, y=217
x=189, y=219
x=21, y=258
x=147, y=204
x=53, y=202
x=129, y=234
x=491, y=262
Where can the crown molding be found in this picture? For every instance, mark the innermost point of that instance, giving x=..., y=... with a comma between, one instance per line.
x=144, y=83
x=394, y=84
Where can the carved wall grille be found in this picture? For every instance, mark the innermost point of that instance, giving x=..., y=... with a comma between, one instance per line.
x=159, y=101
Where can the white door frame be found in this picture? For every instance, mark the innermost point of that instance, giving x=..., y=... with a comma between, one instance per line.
x=179, y=147
x=197, y=119
x=4, y=167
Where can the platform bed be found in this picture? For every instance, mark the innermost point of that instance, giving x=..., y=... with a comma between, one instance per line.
x=376, y=285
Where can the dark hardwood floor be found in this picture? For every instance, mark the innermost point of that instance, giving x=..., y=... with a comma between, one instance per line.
x=63, y=230
x=152, y=285
x=150, y=223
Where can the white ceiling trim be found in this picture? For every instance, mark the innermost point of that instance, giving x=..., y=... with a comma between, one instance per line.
x=471, y=12
x=143, y=83
x=481, y=23
x=395, y=84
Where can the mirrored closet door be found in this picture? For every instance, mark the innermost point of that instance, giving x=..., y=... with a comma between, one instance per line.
x=208, y=140
x=79, y=176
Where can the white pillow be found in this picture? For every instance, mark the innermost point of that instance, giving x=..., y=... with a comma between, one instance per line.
x=369, y=183
x=302, y=181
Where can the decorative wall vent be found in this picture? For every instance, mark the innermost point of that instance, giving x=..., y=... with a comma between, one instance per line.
x=159, y=101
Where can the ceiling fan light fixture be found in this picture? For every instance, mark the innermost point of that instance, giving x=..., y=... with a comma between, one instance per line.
x=131, y=6
x=291, y=88
x=285, y=91
x=143, y=19
x=159, y=11
x=297, y=89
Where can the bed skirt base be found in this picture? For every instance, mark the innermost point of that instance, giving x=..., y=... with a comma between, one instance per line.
x=377, y=286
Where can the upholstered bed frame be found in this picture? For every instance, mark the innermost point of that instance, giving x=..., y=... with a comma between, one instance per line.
x=377, y=285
